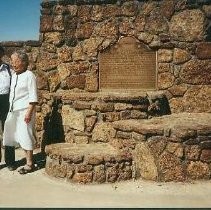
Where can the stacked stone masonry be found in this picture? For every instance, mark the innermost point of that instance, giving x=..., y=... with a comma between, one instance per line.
x=73, y=33
x=73, y=110
x=85, y=164
x=86, y=117
x=176, y=147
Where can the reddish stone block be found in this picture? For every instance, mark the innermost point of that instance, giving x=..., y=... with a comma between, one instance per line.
x=83, y=178
x=203, y=50
x=206, y=155
x=46, y=23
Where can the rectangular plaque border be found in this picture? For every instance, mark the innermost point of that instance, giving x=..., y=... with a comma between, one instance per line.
x=128, y=90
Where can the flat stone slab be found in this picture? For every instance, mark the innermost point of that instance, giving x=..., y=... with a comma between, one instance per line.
x=88, y=163
x=158, y=125
x=106, y=96
x=99, y=151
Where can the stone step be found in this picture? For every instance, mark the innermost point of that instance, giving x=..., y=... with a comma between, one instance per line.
x=88, y=163
x=175, y=122
x=176, y=147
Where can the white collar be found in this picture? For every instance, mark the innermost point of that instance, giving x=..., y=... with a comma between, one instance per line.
x=1, y=67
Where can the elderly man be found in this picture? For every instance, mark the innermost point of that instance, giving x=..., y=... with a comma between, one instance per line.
x=5, y=78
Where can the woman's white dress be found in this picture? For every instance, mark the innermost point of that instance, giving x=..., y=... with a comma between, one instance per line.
x=23, y=91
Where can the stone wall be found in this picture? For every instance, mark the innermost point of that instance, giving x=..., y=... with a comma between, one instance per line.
x=96, y=163
x=176, y=147
x=72, y=33
x=83, y=118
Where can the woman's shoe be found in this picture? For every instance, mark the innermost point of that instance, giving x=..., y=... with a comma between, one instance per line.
x=26, y=169
x=11, y=167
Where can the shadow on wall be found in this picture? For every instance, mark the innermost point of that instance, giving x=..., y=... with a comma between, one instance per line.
x=53, y=126
x=159, y=106
x=208, y=31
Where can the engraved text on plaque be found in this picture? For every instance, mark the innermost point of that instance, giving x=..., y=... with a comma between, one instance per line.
x=127, y=65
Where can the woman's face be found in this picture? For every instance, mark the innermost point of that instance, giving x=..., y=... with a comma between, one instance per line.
x=17, y=64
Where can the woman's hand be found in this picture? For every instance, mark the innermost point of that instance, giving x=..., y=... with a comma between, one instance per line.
x=29, y=112
x=27, y=117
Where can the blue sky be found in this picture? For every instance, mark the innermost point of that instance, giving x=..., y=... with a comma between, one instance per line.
x=19, y=20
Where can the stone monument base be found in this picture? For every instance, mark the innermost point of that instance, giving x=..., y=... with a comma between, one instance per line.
x=88, y=163
x=174, y=147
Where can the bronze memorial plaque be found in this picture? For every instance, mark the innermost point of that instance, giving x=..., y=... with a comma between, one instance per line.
x=127, y=65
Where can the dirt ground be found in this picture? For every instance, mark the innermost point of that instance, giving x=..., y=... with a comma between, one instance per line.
x=39, y=190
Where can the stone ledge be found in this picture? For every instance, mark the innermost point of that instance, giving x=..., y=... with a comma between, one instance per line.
x=88, y=163
x=173, y=122
x=32, y=43
x=108, y=96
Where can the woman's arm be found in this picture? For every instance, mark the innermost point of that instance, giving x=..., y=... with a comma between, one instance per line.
x=32, y=88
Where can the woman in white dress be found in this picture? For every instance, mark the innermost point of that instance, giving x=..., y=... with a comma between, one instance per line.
x=19, y=125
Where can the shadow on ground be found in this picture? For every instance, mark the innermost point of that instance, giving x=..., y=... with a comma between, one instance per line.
x=39, y=161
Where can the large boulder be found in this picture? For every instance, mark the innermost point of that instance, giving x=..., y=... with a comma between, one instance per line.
x=188, y=25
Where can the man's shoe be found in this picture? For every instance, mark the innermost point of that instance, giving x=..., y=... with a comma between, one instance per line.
x=11, y=167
